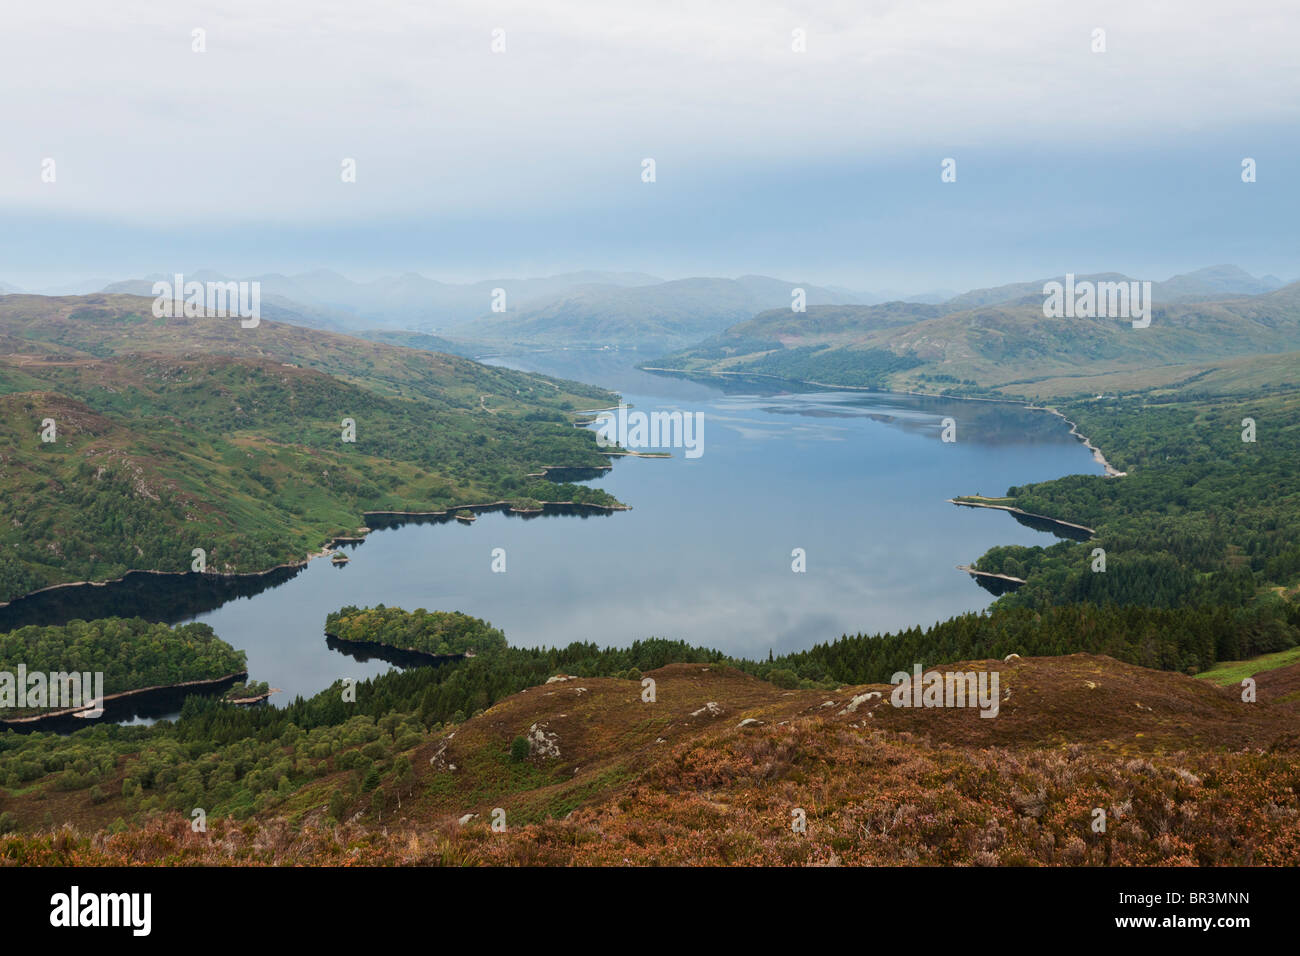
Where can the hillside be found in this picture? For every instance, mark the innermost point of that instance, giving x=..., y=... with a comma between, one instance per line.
x=1200, y=516
x=1007, y=345
x=176, y=434
x=715, y=770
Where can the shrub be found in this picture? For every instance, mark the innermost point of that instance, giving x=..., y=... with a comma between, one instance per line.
x=338, y=804
x=782, y=677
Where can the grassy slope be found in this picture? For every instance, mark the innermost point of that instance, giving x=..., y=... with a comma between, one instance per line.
x=1007, y=346
x=1232, y=673
x=97, y=326
x=196, y=433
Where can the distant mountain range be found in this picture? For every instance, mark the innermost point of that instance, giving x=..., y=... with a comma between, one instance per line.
x=590, y=308
x=722, y=318
x=1210, y=282
x=1000, y=337
x=650, y=317
x=328, y=300
x=620, y=309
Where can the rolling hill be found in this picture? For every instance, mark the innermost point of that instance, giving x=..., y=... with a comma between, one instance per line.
x=994, y=346
x=175, y=434
x=726, y=769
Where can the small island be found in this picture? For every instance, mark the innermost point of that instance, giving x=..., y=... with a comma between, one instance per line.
x=466, y=516
x=434, y=634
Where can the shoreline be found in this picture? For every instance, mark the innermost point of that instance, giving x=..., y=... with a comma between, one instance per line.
x=224, y=575
x=1097, y=456
x=1110, y=470
x=451, y=512
x=32, y=721
x=970, y=569
x=332, y=546
x=379, y=647
x=1025, y=514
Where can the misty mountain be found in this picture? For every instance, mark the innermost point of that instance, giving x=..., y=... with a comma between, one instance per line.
x=276, y=307
x=1202, y=283
x=1215, y=281
x=1003, y=342
x=325, y=299
x=666, y=315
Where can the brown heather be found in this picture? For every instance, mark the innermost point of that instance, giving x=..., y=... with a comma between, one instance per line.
x=1187, y=773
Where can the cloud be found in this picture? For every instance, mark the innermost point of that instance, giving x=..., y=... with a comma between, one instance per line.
x=254, y=130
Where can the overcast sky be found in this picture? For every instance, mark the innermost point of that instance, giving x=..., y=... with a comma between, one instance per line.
x=818, y=166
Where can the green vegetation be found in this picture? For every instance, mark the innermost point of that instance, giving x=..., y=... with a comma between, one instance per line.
x=241, y=455
x=242, y=691
x=863, y=368
x=1190, y=640
x=239, y=761
x=131, y=653
x=1230, y=673
x=194, y=433
x=1202, y=517
x=324, y=751
x=519, y=749
x=999, y=343
x=443, y=633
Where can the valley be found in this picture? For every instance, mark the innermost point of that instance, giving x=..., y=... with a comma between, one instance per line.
x=760, y=710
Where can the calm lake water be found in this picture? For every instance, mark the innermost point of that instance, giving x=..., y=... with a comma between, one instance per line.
x=858, y=480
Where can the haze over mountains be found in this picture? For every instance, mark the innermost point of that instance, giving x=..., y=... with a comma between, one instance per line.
x=664, y=315
x=410, y=301
x=1209, y=282
x=638, y=311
